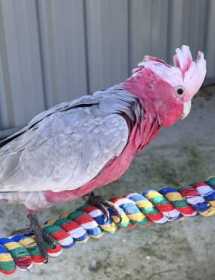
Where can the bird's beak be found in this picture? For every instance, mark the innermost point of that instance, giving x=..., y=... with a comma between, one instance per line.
x=187, y=108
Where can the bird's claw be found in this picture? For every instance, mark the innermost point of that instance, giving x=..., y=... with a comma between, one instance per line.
x=104, y=205
x=40, y=236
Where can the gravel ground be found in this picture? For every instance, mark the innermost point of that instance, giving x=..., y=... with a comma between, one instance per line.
x=182, y=250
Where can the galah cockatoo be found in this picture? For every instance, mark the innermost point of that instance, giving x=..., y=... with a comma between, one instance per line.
x=75, y=147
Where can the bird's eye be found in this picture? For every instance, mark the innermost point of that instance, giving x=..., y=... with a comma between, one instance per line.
x=180, y=90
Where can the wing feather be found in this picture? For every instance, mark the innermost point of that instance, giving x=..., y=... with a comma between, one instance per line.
x=62, y=148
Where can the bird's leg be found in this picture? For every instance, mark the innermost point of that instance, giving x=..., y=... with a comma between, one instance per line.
x=103, y=205
x=38, y=233
x=41, y=237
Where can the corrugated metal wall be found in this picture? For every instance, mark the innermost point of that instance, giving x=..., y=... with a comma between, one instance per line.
x=56, y=50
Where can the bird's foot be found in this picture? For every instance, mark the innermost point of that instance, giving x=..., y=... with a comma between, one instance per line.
x=42, y=239
x=104, y=205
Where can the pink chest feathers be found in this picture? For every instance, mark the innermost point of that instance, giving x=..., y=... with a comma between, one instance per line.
x=140, y=136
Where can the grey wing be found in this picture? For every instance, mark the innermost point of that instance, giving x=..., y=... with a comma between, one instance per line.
x=63, y=151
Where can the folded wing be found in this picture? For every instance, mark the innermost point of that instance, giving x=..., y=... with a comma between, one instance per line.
x=62, y=148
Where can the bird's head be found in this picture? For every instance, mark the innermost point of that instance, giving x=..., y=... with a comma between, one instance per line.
x=168, y=89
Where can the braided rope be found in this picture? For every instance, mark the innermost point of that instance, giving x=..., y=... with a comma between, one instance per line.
x=167, y=204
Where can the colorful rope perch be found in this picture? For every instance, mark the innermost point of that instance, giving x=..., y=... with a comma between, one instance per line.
x=168, y=204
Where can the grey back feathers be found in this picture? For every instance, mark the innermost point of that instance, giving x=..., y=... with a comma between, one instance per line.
x=68, y=145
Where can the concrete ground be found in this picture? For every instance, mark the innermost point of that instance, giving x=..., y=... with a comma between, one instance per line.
x=183, y=250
